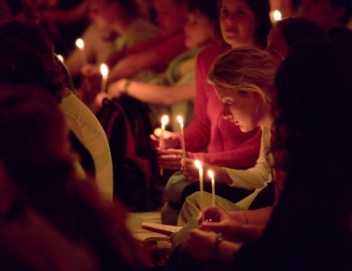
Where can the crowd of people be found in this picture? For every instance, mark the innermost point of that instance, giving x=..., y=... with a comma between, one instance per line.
x=266, y=108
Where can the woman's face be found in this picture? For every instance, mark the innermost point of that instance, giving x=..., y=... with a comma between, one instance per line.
x=199, y=29
x=242, y=108
x=237, y=23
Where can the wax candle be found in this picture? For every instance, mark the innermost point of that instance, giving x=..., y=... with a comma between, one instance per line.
x=180, y=120
x=211, y=176
x=80, y=46
x=104, y=70
x=164, y=122
x=201, y=188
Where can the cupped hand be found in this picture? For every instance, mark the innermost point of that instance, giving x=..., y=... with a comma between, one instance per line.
x=219, y=220
x=170, y=159
x=171, y=139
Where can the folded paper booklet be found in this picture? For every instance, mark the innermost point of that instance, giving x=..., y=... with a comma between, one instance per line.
x=160, y=228
x=147, y=228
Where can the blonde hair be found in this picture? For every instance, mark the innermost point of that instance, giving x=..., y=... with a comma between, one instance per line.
x=245, y=69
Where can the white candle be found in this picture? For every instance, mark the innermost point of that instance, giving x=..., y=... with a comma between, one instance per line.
x=80, y=46
x=180, y=120
x=164, y=122
x=104, y=70
x=201, y=188
x=211, y=176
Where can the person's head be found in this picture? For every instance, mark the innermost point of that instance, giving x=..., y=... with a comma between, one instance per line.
x=21, y=41
x=200, y=28
x=33, y=136
x=107, y=12
x=314, y=91
x=244, y=82
x=289, y=32
x=171, y=15
x=326, y=13
x=244, y=22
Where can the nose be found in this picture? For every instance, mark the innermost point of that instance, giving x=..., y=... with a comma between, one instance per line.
x=226, y=113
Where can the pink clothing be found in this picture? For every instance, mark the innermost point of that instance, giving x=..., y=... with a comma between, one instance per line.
x=225, y=144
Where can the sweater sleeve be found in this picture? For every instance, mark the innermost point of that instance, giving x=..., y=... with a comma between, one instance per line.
x=197, y=133
x=254, y=177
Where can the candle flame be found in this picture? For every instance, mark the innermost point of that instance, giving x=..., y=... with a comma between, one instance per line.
x=276, y=15
x=180, y=119
x=164, y=120
x=198, y=164
x=80, y=43
x=211, y=174
x=104, y=70
x=61, y=58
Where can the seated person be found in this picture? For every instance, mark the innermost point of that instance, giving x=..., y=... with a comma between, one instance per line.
x=282, y=38
x=119, y=20
x=176, y=93
x=312, y=213
x=52, y=219
x=29, y=41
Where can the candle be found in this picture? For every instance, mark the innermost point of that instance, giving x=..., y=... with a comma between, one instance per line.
x=104, y=70
x=275, y=16
x=164, y=122
x=211, y=176
x=201, y=189
x=80, y=46
x=180, y=120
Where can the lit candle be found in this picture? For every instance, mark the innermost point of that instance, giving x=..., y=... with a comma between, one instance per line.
x=275, y=16
x=201, y=189
x=211, y=176
x=180, y=120
x=164, y=122
x=61, y=58
x=80, y=46
x=104, y=70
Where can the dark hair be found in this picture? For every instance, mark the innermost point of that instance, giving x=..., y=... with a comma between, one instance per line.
x=347, y=4
x=208, y=7
x=313, y=93
x=297, y=30
x=261, y=9
x=34, y=43
x=129, y=8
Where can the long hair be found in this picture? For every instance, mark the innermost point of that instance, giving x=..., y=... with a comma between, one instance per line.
x=245, y=69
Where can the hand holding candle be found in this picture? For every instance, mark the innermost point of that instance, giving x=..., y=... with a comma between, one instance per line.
x=104, y=70
x=164, y=122
x=211, y=176
x=80, y=46
x=180, y=120
x=198, y=164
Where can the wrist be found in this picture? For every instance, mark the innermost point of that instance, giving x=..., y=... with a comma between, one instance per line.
x=217, y=242
x=126, y=86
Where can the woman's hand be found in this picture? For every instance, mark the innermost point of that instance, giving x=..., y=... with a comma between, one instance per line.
x=170, y=159
x=171, y=139
x=219, y=220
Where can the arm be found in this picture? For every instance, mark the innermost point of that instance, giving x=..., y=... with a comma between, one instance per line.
x=66, y=16
x=152, y=93
x=148, y=58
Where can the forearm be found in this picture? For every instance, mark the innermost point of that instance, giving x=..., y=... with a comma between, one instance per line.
x=257, y=217
x=130, y=65
x=159, y=94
